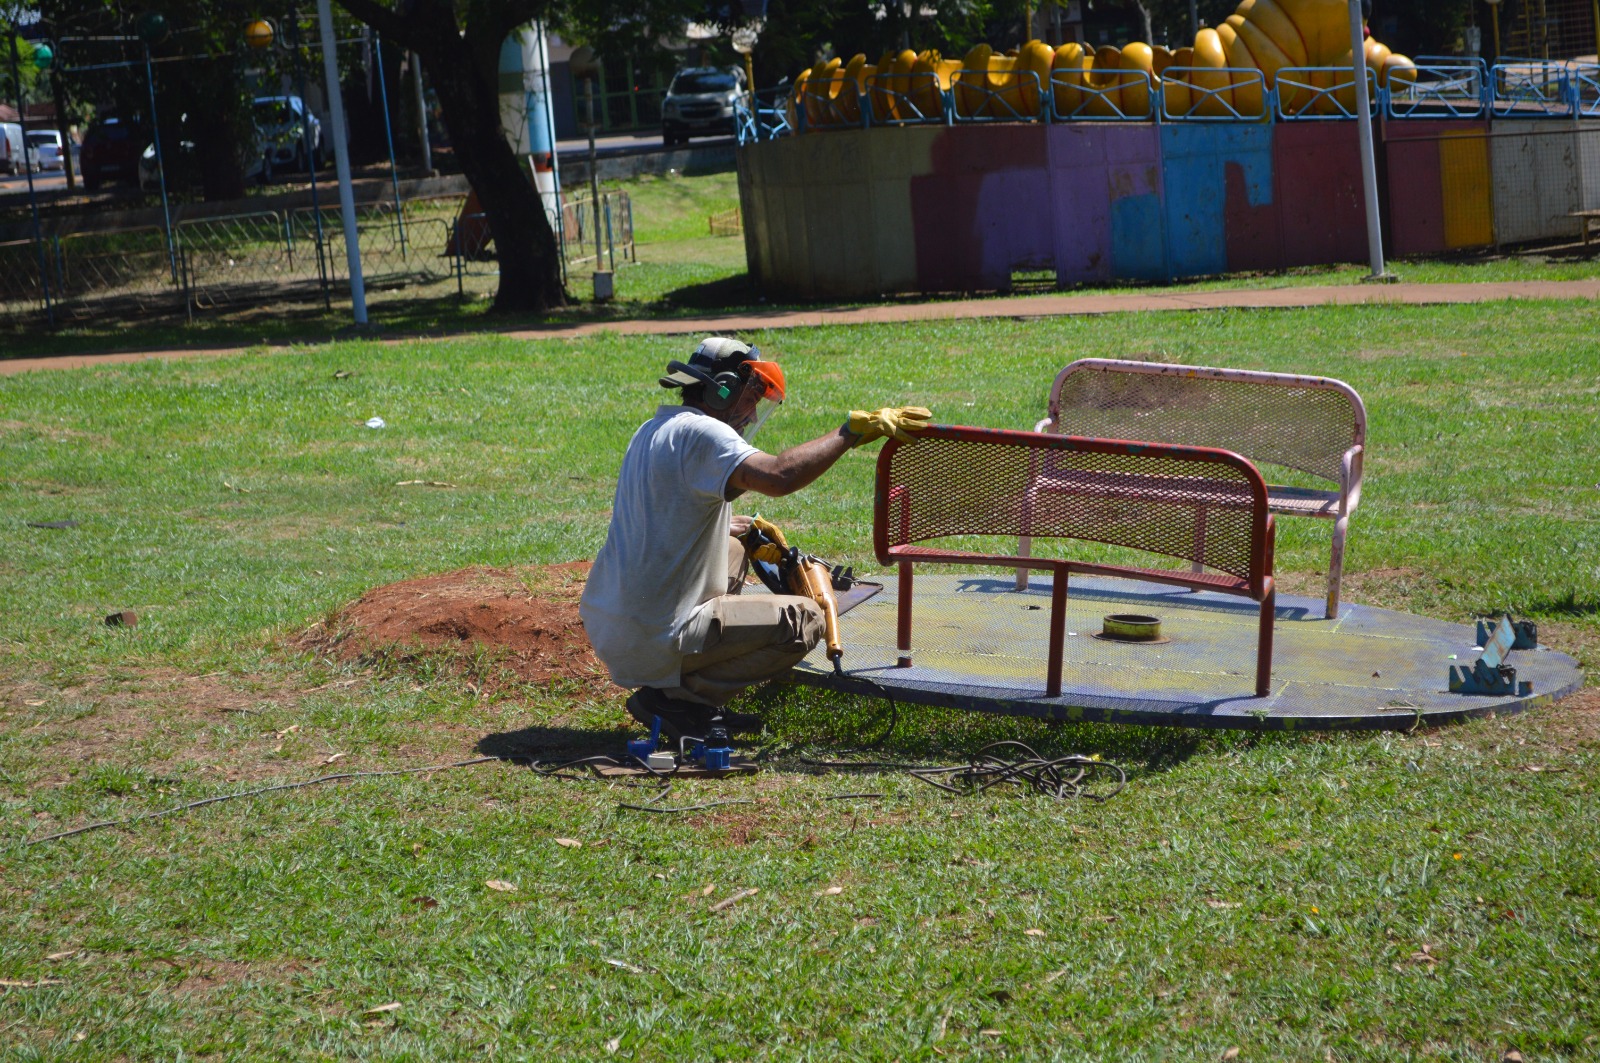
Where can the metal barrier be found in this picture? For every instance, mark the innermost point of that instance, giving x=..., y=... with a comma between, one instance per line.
x=1439, y=91
x=759, y=123
x=1320, y=93
x=131, y=269
x=1109, y=95
x=1530, y=88
x=831, y=108
x=997, y=96
x=1210, y=102
x=243, y=258
x=1454, y=60
x=21, y=290
x=613, y=221
x=238, y=257
x=917, y=101
x=1586, y=89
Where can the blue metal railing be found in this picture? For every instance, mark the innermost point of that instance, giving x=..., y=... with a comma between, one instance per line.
x=1216, y=103
x=919, y=100
x=1439, y=90
x=1075, y=98
x=1438, y=87
x=1297, y=96
x=1531, y=88
x=996, y=96
x=1586, y=89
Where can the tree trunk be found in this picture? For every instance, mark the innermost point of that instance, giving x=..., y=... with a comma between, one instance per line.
x=465, y=71
x=1144, y=16
x=221, y=176
x=63, y=130
x=525, y=245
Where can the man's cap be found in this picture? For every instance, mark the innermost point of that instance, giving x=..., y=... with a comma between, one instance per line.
x=716, y=354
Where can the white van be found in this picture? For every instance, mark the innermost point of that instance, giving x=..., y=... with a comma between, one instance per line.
x=12, y=159
x=46, y=144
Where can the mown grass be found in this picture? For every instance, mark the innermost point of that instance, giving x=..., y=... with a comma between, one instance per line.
x=1366, y=898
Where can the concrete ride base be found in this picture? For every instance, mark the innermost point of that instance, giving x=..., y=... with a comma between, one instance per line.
x=979, y=644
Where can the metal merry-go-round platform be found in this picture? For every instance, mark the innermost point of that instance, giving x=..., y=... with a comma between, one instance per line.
x=982, y=645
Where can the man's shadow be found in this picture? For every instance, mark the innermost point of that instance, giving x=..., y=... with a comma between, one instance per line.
x=546, y=744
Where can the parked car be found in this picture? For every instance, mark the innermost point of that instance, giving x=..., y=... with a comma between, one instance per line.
x=110, y=153
x=12, y=158
x=699, y=103
x=46, y=144
x=150, y=172
x=283, y=124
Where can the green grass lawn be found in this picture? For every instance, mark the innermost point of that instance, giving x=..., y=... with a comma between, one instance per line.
x=1407, y=896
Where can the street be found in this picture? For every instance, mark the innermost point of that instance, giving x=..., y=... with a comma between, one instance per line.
x=47, y=181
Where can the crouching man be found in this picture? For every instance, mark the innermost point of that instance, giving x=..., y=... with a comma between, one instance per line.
x=662, y=606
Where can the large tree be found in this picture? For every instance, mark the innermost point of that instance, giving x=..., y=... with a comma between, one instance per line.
x=459, y=43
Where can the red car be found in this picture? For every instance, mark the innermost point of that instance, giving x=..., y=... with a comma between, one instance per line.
x=111, y=153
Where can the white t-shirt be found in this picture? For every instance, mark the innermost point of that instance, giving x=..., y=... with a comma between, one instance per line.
x=667, y=550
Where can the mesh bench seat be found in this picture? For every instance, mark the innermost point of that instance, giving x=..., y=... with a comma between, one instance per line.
x=1316, y=425
x=1197, y=504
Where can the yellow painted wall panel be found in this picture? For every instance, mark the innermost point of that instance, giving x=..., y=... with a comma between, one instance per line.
x=1465, y=187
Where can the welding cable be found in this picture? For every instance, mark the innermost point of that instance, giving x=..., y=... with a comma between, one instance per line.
x=673, y=810
x=252, y=793
x=1071, y=776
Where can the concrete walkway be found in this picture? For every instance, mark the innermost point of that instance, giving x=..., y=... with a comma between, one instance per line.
x=1017, y=307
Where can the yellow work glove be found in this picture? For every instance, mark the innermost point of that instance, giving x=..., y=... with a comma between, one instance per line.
x=896, y=421
x=769, y=529
x=772, y=553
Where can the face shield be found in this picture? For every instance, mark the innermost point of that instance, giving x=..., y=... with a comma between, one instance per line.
x=763, y=391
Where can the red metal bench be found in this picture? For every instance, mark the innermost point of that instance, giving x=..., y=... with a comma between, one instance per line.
x=1312, y=424
x=1196, y=504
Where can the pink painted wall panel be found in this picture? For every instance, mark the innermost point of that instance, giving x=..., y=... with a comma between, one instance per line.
x=1317, y=170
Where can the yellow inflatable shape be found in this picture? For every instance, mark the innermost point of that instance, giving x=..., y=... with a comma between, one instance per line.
x=1179, y=98
x=1265, y=35
x=1035, y=57
x=822, y=89
x=1342, y=99
x=1068, y=75
x=1208, y=53
x=1377, y=55
x=1137, y=56
x=971, y=102
x=1103, y=76
x=924, y=91
x=1004, y=86
x=1247, y=91
x=1267, y=18
x=853, y=85
x=1399, y=71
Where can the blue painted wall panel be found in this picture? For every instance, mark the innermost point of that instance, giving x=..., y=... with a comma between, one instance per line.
x=1138, y=251
x=1194, y=162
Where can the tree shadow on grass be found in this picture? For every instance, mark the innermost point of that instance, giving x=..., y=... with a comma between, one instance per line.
x=725, y=293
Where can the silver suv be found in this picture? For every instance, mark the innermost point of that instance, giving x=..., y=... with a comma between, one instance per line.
x=700, y=103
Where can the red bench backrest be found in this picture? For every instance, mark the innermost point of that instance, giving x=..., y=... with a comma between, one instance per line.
x=980, y=481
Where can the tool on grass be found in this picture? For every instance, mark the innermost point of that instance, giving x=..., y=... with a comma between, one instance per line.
x=785, y=570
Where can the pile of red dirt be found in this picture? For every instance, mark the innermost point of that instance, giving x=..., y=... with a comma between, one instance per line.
x=496, y=626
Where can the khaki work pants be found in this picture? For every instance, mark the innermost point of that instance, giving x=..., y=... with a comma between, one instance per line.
x=751, y=639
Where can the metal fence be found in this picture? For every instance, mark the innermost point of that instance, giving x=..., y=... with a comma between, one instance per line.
x=611, y=218
x=1438, y=87
x=295, y=254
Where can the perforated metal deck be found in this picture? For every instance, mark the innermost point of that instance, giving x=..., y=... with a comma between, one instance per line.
x=980, y=644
